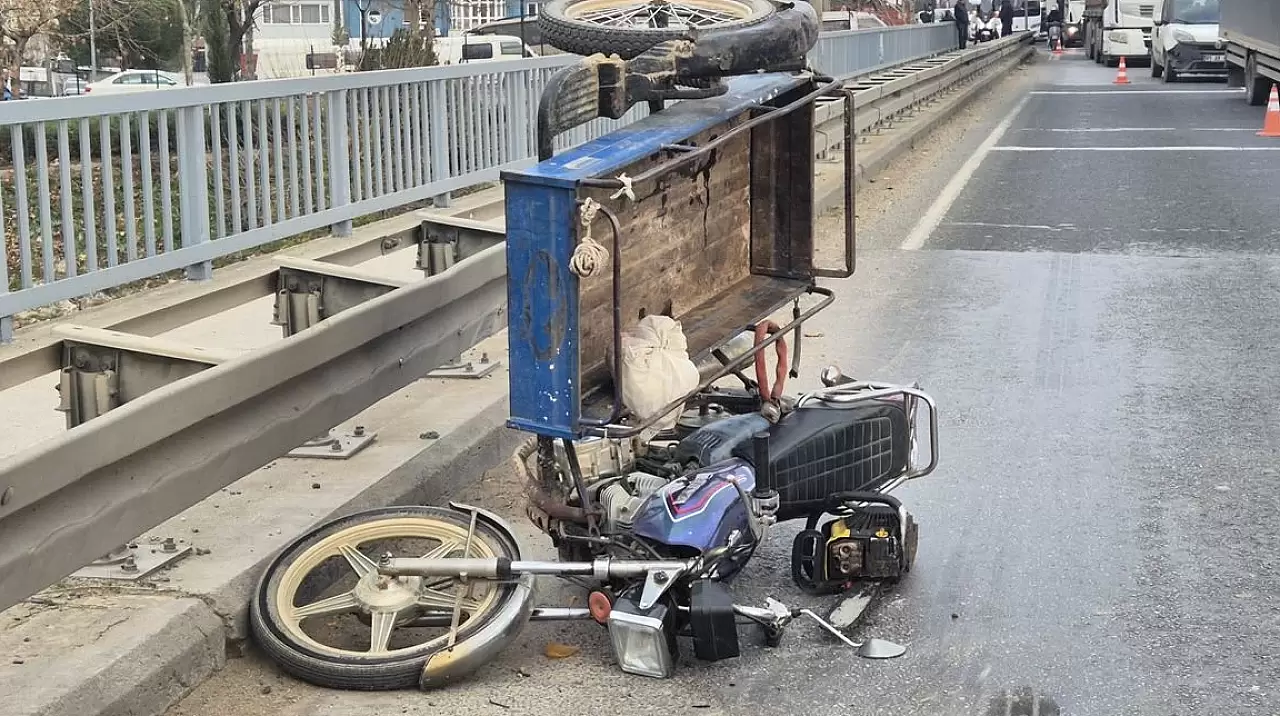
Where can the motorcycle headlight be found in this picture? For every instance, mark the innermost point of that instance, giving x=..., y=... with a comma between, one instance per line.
x=643, y=640
x=1183, y=36
x=1072, y=30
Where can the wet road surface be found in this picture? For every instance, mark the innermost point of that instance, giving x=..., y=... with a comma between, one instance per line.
x=1099, y=329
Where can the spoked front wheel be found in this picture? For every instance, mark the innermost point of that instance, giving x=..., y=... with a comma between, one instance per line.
x=325, y=615
x=629, y=27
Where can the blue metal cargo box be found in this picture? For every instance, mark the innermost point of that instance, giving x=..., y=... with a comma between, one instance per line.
x=717, y=238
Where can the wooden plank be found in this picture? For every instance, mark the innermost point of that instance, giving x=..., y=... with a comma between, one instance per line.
x=685, y=237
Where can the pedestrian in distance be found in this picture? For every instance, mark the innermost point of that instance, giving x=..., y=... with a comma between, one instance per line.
x=1006, y=18
x=961, y=12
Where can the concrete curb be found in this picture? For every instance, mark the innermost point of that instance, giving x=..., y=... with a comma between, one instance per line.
x=460, y=458
x=152, y=656
x=871, y=163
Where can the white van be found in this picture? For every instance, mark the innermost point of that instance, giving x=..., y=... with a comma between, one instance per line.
x=461, y=49
x=1186, y=40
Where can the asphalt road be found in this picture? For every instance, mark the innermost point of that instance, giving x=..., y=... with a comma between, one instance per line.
x=1101, y=538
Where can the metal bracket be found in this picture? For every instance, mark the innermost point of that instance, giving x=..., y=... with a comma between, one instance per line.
x=656, y=583
x=456, y=368
x=104, y=369
x=445, y=240
x=308, y=292
x=442, y=242
x=335, y=446
x=129, y=563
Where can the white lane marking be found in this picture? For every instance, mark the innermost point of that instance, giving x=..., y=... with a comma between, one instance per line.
x=1135, y=149
x=1036, y=227
x=942, y=203
x=1212, y=91
x=1073, y=227
x=1141, y=129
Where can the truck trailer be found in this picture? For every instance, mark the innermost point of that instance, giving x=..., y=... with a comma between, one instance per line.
x=1119, y=28
x=1251, y=32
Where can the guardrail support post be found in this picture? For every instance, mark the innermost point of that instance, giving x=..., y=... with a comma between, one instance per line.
x=442, y=242
x=339, y=157
x=438, y=118
x=6, y=322
x=101, y=371
x=193, y=177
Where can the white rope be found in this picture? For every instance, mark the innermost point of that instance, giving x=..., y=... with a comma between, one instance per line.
x=588, y=256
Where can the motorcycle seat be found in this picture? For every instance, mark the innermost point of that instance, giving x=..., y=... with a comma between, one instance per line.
x=825, y=448
x=814, y=451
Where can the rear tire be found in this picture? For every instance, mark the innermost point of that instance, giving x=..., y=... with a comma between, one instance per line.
x=562, y=26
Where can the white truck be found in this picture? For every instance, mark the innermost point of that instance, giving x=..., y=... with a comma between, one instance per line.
x=1119, y=28
x=1251, y=35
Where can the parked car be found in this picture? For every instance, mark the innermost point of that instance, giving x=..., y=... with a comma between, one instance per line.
x=135, y=81
x=72, y=86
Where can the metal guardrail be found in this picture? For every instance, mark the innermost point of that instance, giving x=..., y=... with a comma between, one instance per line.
x=883, y=95
x=100, y=191
x=856, y=52
x=118, y=474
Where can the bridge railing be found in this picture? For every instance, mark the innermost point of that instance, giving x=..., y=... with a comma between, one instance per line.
x=99, y=191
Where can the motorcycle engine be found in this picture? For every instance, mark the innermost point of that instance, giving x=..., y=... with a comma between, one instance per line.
x=598, y=458
x=622, y=499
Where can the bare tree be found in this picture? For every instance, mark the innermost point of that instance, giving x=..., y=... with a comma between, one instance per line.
x=241, y=17
x=22, y=20
x=410, y=46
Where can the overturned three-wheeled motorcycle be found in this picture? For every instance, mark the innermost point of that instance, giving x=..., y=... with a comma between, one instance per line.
x=648, y=271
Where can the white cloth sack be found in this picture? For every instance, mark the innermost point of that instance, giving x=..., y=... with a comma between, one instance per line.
x=655, y=369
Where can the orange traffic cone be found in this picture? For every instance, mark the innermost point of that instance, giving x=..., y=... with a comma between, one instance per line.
x=1123, y=77
x=1271, y=127
x=1057, y=47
